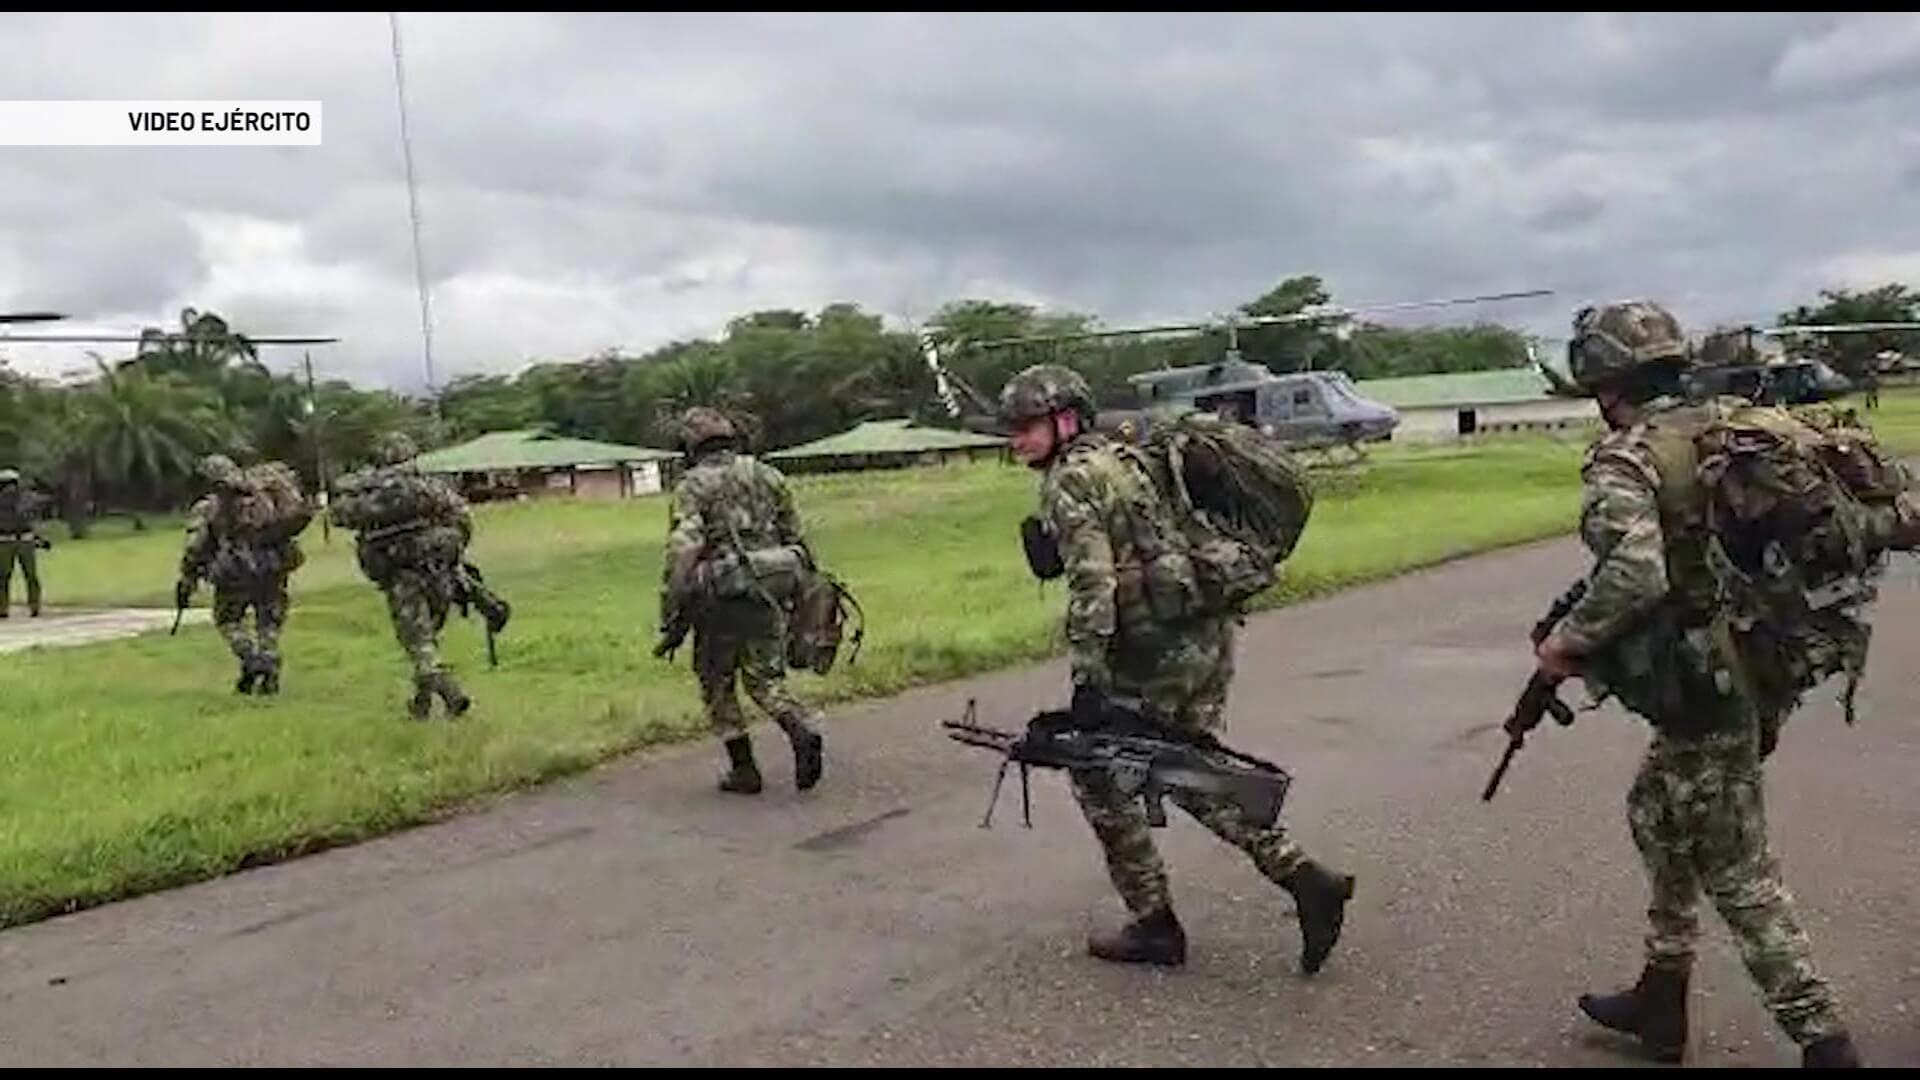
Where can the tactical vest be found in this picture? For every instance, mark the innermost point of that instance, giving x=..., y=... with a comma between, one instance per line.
x=1679, y=666
x=14, y=518
x=1155, y=581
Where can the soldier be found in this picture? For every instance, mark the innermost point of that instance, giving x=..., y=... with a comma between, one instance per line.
x=248, y=554
x=412, y=531
x=732, y=519
x=1109, y=522
x=1695, y=808
x=19, y=542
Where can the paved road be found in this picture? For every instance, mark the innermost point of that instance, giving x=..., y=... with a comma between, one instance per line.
x=635, y=916
x=59, y=627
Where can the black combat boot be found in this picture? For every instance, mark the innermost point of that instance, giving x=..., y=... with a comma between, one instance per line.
x=457, y=702
x=269, y=675
x=1654, y=1009
x=1833, y=1052
x=809, y=757
x=744, y=778
x=1320, y=899
x=1153, y=938
x=249, y=671
x=421, y=707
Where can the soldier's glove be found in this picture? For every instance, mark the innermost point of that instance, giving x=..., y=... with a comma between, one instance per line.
x=43, y=543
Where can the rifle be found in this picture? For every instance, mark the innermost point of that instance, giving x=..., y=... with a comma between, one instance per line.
x=1541, y=695
x=470, y=588
x=1140, y=756
x=672, y=633
x=182, y=592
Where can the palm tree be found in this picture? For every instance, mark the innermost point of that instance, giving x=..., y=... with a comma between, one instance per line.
x=700, y=380
x=143, y=431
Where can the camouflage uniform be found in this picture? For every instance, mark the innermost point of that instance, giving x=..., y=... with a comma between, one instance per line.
x=19, y=542
x=1651, y=630
x=247, y=572
x=730, y=502
x=417, y=564
x=1134, y=633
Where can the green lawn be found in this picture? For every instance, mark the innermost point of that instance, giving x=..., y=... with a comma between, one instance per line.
x=132, y=765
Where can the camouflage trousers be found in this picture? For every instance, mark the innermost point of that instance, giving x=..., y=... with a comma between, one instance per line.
x=268, y=602
x=743, y=644
x=1183, y=674
x=23, y=553
x=1699, y=821
x=418, y=605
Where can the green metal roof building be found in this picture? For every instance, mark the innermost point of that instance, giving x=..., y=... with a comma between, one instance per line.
x=534, y=461
x=886, y=444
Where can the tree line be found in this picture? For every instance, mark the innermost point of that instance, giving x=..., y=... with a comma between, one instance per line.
x=124, y=440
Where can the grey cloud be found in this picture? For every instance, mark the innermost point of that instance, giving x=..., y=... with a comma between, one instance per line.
x=620, y=179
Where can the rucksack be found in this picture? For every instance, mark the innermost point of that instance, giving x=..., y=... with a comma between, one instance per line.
x=816, y=623
x=1800, y=509
x=386, y=497
x=272, y=507
x=1239, y=498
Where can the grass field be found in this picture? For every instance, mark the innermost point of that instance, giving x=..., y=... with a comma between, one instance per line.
x=132, y=765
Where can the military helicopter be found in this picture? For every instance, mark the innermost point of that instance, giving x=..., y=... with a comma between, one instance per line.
x=1728, y=361
x=1308, y=410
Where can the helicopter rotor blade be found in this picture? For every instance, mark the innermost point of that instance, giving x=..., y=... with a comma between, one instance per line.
x=30, y=316
x=1838, y=328
x=1320, y=314
x=132, y=339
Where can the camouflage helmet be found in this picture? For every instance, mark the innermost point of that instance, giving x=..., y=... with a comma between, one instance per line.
x=701, y=424
x=1042, y=390
x=1613, y=340
x=393, y=448
x=219, y=470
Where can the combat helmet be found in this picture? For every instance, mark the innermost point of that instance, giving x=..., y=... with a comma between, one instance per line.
x=1045, y=389
x=219, y=470
x=393, y=448
x=9, y=475
x=700, y=425
x=1615, y=339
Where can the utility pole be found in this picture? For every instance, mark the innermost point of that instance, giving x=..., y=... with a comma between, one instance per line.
x=315, y=421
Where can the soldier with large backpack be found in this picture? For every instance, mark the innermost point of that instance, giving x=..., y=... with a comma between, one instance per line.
x=412, y=533
x=243, y=538
x=1161, y=548
x=1732, y=561
x=737, y=574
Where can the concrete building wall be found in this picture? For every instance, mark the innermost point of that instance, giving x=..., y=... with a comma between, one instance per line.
x=1441, y=423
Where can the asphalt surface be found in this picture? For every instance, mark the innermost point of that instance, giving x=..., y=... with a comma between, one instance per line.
x=635, y=916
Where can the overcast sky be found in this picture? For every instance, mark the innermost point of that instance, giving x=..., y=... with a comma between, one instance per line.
x=598, y=181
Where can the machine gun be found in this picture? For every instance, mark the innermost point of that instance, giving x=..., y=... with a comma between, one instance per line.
x=1142, y=757
x=1541, y=696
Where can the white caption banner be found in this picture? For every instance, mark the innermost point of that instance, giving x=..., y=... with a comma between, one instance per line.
x=159, y=123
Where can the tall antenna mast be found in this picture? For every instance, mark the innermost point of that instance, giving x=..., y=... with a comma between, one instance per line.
x=413, y=210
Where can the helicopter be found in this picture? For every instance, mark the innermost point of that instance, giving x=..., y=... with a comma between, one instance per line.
x=1728, y=361
x=1306, y=410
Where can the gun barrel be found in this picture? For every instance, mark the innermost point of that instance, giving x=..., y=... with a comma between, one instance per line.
x=974, y=735
x=1500, y=771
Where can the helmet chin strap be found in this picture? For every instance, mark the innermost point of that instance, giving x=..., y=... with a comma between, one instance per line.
x=1066, y=427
